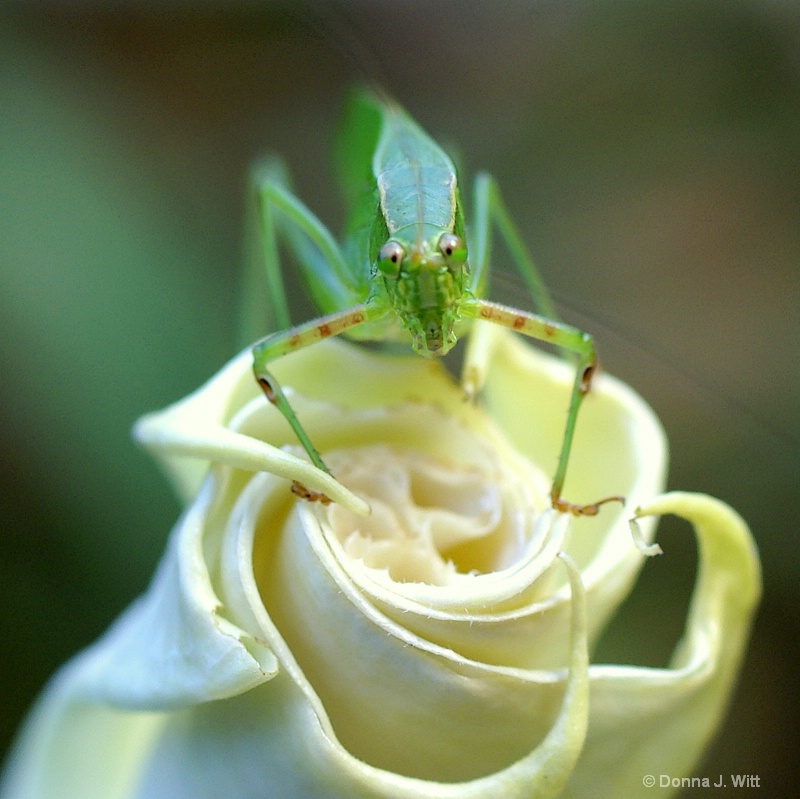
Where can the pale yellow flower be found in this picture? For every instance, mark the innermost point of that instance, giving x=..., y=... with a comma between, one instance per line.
x=438, y=647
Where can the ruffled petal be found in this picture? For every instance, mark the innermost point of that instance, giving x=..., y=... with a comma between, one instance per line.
x=435, y=649
x=174, y=647
x=658, y=721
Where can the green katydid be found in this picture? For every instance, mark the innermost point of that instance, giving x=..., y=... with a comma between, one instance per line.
x=408, y=265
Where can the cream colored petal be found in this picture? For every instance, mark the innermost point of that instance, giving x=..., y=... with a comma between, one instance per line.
x=538, y=775
x=174, y=647
x=196, y=431
x=72, y=748
x=619, y=448
x=281, y=734
x=400, y=716
x=186, y=436
x=168, y=434
x=397, y=701
x=321, y=653
x=273, y=741
x=658, y=721
x=277, y=738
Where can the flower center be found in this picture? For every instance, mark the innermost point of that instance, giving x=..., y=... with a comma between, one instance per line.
x=433, y=520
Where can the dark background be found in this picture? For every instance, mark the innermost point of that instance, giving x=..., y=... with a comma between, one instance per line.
x=650, y=152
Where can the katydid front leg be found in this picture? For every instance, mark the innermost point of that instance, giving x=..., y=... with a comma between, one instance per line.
x=490, y=211
x=279, y=344
x=572, y=339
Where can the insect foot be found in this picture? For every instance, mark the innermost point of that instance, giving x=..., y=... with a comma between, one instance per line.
x=582, y=510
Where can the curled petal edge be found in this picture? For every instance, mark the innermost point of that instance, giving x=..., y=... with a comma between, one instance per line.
x=676, y=709
x=541, y=774
x=74, y=718
x=196, y=430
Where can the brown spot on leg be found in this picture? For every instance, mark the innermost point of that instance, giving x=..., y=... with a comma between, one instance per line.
x=268, y=390
x=299, y=490
x=586, y=378
x=324, y=330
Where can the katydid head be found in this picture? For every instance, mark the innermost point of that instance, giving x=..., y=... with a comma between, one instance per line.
x=425, y=283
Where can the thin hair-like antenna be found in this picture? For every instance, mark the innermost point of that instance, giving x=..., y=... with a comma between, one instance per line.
x=335, y=27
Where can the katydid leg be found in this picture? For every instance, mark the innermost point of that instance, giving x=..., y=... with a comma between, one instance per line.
x=322, y=264
x=490, y=211
x=282, y=343
x=282, y=216
x=569, y=338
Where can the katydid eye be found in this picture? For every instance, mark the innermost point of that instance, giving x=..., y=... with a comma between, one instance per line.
x=452, y=247
x=390, y=258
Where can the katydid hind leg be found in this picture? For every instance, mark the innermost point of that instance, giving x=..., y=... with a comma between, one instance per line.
x=285, y=219
x=264, y=304
x=266, y=177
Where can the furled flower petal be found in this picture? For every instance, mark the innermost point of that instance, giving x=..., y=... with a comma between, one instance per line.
x=437, y=647
x=669, y=715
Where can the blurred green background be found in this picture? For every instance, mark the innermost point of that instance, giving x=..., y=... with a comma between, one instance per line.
x=650, y=152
